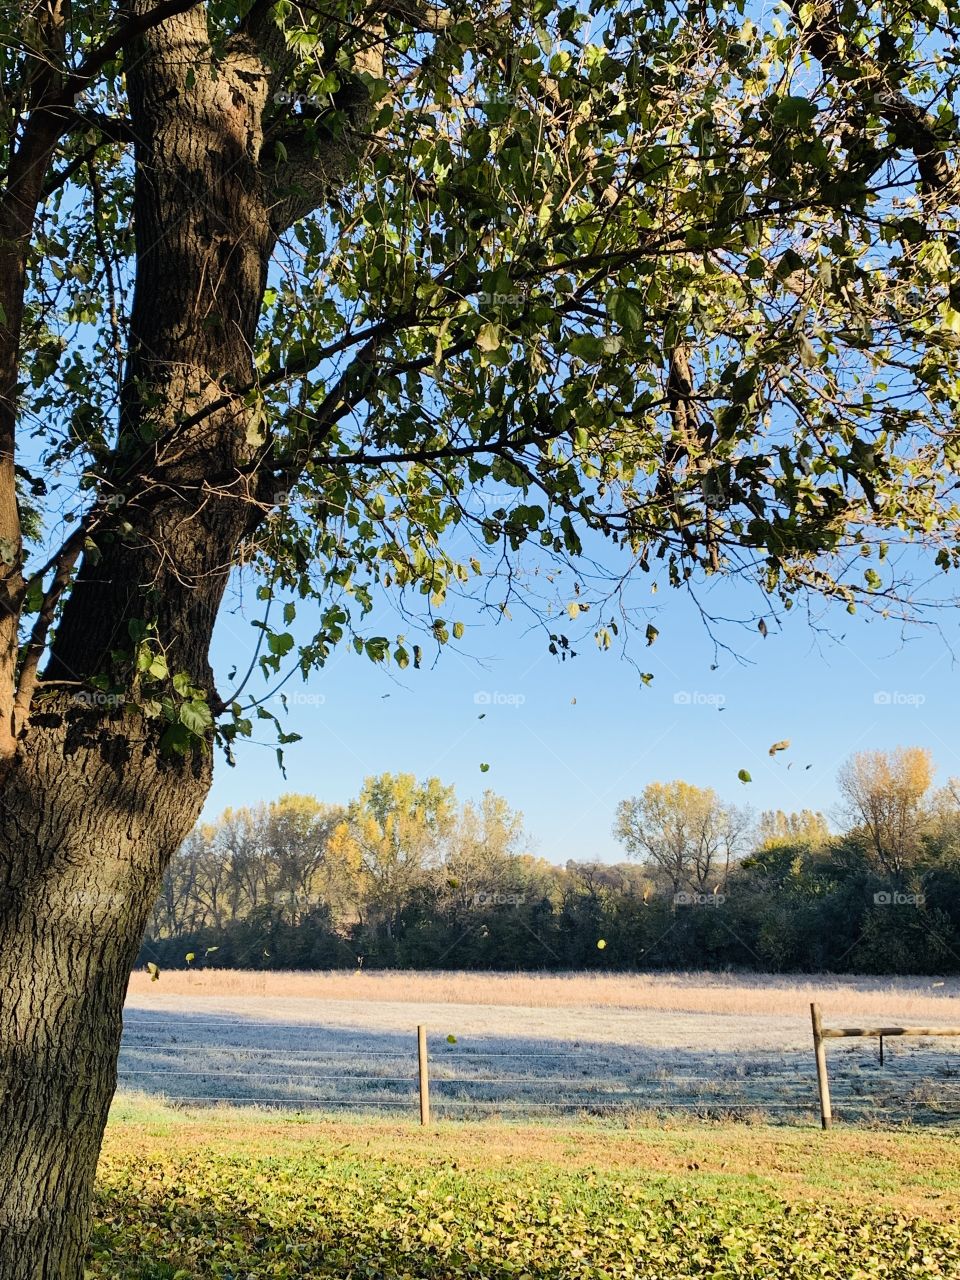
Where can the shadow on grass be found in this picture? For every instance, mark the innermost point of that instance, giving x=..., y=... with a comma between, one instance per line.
x=256, y=1222
x=190, y=1059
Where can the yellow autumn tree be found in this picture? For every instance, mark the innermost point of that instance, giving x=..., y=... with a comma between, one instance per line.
x=393, y=832
x=886, y=796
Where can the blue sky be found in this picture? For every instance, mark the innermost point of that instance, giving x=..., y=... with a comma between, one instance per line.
x=565, y=764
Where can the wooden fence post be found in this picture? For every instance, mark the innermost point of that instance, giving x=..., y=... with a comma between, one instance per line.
x=823, y=1084
x=424, y=1075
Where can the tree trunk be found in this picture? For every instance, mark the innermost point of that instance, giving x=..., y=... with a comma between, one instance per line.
x=90, y=817
x=91, y=809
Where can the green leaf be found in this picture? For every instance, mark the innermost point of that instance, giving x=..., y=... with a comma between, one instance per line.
x=795, y=112
x=280, y=643
x=627, y=308
x=196, y=716
x=158, y=669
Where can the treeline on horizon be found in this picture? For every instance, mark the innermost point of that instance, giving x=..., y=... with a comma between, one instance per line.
x=406, y=877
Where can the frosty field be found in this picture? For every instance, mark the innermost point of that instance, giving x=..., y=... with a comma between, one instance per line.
x=693, y=1045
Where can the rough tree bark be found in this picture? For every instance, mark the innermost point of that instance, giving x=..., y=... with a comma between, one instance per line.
x=91, y=810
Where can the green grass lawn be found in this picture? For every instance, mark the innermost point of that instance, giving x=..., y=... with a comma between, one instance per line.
x=244, y=1195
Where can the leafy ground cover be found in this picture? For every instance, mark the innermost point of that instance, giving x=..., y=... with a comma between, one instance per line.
x=250, y=1195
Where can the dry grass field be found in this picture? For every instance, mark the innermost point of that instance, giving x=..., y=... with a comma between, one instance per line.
x=515, y=1045
x=767, y=995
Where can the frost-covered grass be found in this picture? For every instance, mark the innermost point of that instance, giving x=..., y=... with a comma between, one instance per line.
x=721, y=1057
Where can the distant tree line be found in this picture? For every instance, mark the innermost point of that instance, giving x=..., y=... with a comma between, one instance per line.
x=406, y=877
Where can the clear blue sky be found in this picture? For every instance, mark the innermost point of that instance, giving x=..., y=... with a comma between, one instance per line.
x=566, y=764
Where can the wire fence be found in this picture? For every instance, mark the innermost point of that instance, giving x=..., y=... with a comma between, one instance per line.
x=224, y=1061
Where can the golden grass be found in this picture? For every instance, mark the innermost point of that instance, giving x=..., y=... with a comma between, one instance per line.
x=906, y=999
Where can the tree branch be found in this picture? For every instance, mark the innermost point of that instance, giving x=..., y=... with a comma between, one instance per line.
x=914, y=129
x=27, y=682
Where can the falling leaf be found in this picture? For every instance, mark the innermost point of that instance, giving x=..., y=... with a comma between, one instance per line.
x=601, y=944
x=484, y=768
x=780, y=746
x=651, y=633
x=762, y=627
x=153, y=971
x=573, y=702
x=451, y=1039
x=482, y=715
x=190, y=957
x=744, y=776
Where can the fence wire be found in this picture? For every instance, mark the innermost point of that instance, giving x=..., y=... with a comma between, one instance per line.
x=218, y=1061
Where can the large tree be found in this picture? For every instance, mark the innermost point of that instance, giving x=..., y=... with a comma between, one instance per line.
x=324, y=294
x=686, y=834
x=886, y=794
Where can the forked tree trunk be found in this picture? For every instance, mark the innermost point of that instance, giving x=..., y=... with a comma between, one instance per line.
x=91, y=811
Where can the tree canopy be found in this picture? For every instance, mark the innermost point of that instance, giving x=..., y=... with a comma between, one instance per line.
x=681, y=277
